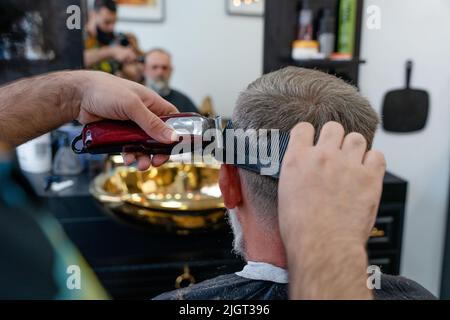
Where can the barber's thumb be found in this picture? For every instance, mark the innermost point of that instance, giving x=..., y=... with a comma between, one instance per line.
x=156, y=128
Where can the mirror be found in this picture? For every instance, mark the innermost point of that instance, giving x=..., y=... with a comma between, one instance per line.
x=209, y=52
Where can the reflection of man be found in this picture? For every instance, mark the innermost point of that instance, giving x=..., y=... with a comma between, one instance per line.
x=281, y=100
x=158, y=71
x=105, y=50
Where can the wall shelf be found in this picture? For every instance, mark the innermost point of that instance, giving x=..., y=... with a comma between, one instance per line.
x=281, y=30
x=325, y=63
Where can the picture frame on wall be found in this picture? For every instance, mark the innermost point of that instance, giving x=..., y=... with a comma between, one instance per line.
x=250, y=8
x=151, y=11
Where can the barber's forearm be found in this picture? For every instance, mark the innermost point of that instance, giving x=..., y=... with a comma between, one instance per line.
x=93, y=56
x=34, y=106
x=333, y=271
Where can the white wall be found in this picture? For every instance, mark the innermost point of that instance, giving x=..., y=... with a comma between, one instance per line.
x=420, y=30
x=214, y=53
x=219, y=55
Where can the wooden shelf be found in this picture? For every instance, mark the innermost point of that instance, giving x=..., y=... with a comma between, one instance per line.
x=325, y=63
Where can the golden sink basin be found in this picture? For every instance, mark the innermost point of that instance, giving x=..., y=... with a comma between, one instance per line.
x=176, y=195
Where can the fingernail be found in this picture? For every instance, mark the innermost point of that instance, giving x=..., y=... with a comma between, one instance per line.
x=171, y=135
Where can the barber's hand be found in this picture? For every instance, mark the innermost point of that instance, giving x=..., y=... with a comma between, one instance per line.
x=132, y=71
x=123, y=54
x=330, y=191
x=104, y=96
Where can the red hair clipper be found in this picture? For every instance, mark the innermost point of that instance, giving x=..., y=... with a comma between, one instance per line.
x=108, y=136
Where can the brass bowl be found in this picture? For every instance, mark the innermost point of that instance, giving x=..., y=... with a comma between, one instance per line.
x=177, y=196
x=182, y=223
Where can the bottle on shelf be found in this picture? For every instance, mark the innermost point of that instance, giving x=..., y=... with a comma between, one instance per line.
x=305, y=23
x=327, y=33
x=347, y=27
x=305, y=47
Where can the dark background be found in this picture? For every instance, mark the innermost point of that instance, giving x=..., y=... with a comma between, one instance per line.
x=66, y=44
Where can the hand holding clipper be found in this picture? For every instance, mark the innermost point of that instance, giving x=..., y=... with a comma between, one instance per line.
x=108, y=136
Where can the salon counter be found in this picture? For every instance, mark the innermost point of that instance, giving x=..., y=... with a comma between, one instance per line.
x=132, y=262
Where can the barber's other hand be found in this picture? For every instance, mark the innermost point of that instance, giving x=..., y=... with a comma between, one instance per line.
x=123, y=54
x=329, y=192
x=103, y=96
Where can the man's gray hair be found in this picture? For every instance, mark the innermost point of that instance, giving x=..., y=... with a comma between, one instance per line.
x=280, y=100
x=159, y=50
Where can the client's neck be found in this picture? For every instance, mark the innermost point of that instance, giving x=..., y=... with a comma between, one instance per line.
x=262, y=243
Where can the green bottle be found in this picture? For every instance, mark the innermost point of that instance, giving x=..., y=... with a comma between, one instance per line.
x=347, y=26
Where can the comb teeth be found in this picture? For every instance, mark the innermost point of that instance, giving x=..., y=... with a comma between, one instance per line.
x=255, y=153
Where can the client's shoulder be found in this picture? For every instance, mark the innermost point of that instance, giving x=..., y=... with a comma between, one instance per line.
x=228, y=287
x=401, y=288
x=212, y=289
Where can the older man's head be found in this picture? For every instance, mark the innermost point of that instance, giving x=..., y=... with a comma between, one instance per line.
x=280, y=100
x=158, y=70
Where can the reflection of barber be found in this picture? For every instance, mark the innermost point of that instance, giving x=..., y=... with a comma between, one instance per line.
x=105, y=50
x=158, y=71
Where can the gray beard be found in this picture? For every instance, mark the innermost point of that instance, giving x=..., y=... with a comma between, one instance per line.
x=238, y=242
x=161, y=87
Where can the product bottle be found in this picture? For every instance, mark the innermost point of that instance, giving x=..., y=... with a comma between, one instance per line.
x=66, y=162
x=305, y=23
x=327, y=33
x=347, y=27
x=35, y=156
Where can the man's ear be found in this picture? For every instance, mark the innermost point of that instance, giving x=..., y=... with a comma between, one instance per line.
x=230, y=185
